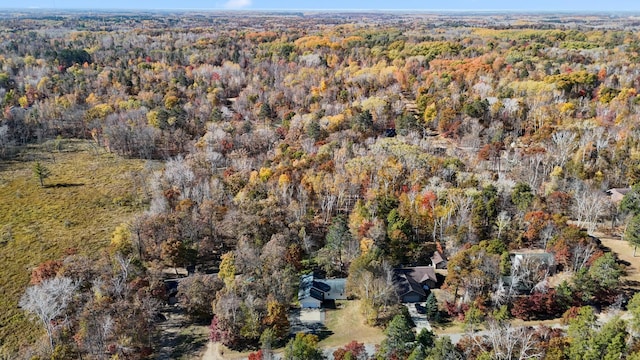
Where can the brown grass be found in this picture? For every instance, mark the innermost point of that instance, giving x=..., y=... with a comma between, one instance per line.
x=624, y=252
x=347, y=324
x=88, y=193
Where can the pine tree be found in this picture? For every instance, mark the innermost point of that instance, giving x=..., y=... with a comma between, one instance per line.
x=399, y=341
x=432, y=307
x=41, y=172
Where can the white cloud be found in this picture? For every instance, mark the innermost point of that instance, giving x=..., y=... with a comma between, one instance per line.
x=237, y=4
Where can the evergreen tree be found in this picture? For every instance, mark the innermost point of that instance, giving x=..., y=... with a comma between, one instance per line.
x=432, y=307
x=485, y=211
x=265, y=111
x=426, y=338
x=611, y=341
x=630, y=204
x=522, y=196
x=418, y=353
x=400, y=339
x=634, y=309
x=337, y=238
x=443, y=349
x=580, y=332
x=41, y=172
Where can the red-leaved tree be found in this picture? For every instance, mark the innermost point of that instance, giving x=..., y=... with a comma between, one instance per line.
x=355, y=349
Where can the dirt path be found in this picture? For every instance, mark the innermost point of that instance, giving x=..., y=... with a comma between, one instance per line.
x=212, y=352
x=169, y=333
x=217, y=351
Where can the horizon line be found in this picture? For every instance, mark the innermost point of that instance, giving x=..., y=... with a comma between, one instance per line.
x=322, y=10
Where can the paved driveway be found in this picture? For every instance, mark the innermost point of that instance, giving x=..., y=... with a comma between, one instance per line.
x=306, y=320
x=419, y=319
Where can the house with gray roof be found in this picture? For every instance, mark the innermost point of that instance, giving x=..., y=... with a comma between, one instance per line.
x=314, y=292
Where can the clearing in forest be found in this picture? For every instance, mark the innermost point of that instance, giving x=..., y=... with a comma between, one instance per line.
x=88, y=193
x=624, y=251
x=346, y=323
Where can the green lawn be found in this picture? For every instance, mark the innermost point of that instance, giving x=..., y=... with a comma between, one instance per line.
x=88, y=193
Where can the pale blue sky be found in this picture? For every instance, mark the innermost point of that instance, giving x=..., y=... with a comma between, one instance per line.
x=548, y=5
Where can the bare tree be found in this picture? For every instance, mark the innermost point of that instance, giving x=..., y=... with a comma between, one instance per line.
x=529, y=272
x=47, y=301
x=5, y=140
x=580, y=254
x=502, y=293
x=588, y=207
x=508, y=342
x=178, y=174
x=502, y=222
x=564, y=143
x=119, y=280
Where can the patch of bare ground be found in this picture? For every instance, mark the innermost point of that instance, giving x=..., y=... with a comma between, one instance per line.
x=217, y=351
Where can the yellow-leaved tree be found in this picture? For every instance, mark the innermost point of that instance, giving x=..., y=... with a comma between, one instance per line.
x=121, y=240
x=227, y=270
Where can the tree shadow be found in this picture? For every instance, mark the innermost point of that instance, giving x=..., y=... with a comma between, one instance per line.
x=443, y=321
x=623, y=262
x=319, y=330
x=62, y=185
x=187, y=343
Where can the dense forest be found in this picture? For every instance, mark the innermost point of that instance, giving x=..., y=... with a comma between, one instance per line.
x=348, y=145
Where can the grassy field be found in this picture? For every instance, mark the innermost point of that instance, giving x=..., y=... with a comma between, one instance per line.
x=624, y=252
x=88, y=193
x=347, y=324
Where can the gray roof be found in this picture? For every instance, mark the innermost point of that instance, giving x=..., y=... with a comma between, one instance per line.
x=308, y=290
x=545, y=257
x=622, y=191
x=335, y=285
x=437, y=258
x=316, y=288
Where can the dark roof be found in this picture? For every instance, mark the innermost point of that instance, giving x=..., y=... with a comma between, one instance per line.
x=321, y=286
x=419, y=273
x=412, y=279
x=406, y=284
x=316, y=294
x=306, y=284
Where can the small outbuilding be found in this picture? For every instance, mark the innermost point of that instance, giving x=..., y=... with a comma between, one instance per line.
x=617, y=194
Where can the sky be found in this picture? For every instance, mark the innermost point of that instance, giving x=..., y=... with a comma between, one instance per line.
x=426, y=5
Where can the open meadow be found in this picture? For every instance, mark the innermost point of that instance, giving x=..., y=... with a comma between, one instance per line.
x=87, y=195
